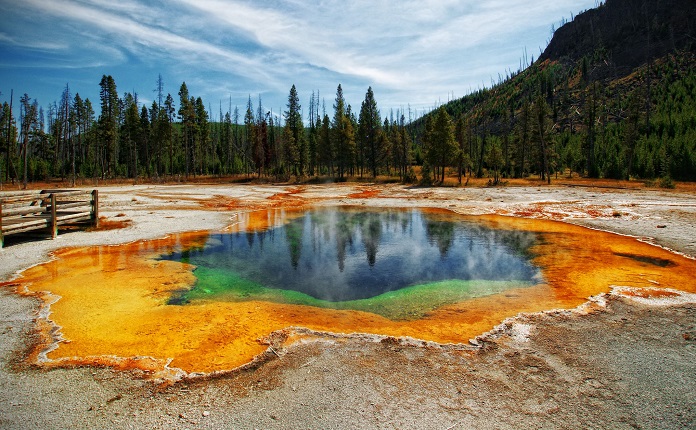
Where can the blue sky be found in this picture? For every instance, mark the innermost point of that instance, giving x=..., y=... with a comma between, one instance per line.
x=415, y=53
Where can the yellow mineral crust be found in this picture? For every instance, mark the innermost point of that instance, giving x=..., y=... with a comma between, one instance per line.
x=111, y=306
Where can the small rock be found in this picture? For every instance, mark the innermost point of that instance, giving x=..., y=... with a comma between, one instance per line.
x=661, y=226
x=205, y=413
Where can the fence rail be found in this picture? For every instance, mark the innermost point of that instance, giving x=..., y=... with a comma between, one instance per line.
x=23, y=211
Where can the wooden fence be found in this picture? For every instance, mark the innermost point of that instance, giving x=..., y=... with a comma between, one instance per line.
x=24, y=211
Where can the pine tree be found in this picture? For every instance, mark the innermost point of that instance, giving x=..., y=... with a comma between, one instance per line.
x=271, y=149
x=78, y=113
x=260, y=143
x=143, y=142
x=167, y=124
x=325, y=146
x=443, y=145
x=541, y=132
x=631, y=133
x=156, y=139
x=249, y=135
x=108, y=126
x=494, y=159
x=313, y=138
x=65, y=141
x=129, y=134
x=29, y=123
x=9, y=134
x=522, y=139
x=87, y=152
x=203, y=142
x=405, y=152
x=236, y=144
x=227, y=141
x=313, y=148
x=343, y=135
x=590, y=140
x=296, y=149
x=463, y=160
x=185, y=113
x=369, y=131
x=428, y=151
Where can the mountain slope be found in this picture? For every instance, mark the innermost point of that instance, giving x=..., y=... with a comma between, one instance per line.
x=628, y=32
x=616, y=91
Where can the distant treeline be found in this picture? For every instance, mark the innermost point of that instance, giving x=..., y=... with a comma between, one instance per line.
x=177, y=138
x=549, y=119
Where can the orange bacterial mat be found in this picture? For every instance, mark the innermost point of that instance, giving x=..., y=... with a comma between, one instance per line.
x=110, y=302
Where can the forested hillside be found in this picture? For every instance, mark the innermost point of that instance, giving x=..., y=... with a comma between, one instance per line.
x=612, y=96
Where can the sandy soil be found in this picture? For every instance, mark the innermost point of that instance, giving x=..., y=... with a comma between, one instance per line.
x=623, y=362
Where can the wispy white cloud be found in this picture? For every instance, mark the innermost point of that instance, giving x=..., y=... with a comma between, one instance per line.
x=146, y=40
x=32, y=44
x=296, y=37
x=393, y=44
x=410, y=51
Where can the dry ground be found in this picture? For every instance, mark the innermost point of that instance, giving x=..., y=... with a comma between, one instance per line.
x=626, y=364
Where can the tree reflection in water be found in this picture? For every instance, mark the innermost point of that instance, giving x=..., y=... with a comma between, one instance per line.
x=339, y=254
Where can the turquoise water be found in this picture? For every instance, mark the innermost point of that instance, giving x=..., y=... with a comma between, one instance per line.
x=397, y=263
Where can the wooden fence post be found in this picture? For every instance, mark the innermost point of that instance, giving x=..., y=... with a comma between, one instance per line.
x=54, y=217
x=2, y=239
x=95, y=208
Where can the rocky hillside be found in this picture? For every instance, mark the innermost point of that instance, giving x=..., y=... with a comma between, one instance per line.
x=613, y=95
x=626, y=34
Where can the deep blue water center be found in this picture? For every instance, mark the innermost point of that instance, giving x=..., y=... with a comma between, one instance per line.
x=342, y=254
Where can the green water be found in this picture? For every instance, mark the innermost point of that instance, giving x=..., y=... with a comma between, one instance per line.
x=413, y=302
x=395, y=263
